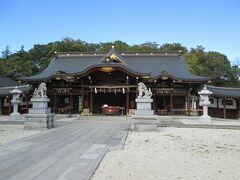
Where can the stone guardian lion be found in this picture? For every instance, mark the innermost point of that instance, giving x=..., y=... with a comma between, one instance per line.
x=144, y=92
x=41, y=91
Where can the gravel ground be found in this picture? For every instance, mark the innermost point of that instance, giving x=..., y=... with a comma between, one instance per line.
x=174, y=153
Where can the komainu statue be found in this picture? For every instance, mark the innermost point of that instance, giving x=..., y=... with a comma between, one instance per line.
x=41, y=91
x=143, y=91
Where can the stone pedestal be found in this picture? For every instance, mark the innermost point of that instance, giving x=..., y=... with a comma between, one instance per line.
x=144, y=109
x=144, y=118
x=39, y=116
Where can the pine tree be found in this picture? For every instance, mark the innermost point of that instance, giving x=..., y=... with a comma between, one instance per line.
x=6, y=52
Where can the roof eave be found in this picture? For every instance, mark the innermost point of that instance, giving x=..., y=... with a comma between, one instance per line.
x=82, y=73
x=200, y=79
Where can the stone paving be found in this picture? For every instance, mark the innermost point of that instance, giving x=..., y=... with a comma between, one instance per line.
x=9, y=132
x=72, y=150
x=76, y=146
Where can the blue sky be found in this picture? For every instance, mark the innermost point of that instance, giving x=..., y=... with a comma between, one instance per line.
x=214, y=24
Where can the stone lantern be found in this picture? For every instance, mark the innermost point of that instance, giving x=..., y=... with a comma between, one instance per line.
x=15, y=115
x=204, y=101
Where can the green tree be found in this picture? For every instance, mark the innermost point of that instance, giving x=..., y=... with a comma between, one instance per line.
x=6, y=52
x=173, y=47
x=119, y=45
x=212, y=64
x=144, y=48
x=200, y=62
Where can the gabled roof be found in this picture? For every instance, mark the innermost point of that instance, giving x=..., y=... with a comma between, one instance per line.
x=5, y=91
x=6, y=81
x=153, y=64
x=224, y=91
x=7, y=84
x=113, y=57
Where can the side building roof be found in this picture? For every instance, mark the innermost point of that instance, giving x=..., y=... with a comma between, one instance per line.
x=224, y=91
x=6, y=81
x=153, y=64
x=7, y=84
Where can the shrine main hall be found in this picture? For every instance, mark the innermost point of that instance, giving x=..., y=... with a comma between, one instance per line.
x=95, y=83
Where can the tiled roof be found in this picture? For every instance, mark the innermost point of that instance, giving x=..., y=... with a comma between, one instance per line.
x=6, y=81
x=224, y=91
x=153, y=64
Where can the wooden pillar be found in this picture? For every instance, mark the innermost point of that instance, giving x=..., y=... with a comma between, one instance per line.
x=10, y=105
x=217, y=114
x=127, y=102
x=127, y=96
x=91, y=103
x=224, y=108
x=27, y=103
x=54, y=103
x=188, y=104
x=83, y=102
x=237, y=108
x=91, y=96
x=82, y=94
x=136, y=92
x=71, y=104
x=1, y=100
x=171, y=104
x=154, y=104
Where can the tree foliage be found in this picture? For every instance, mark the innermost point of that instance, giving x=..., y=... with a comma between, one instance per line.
x=173, y=47
x=6, y=52
x=200, y=62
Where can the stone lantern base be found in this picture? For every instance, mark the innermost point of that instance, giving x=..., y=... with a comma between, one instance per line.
x=15, y=117
x=205, y=119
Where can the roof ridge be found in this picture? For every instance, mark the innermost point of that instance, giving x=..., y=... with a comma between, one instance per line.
x=163, y=53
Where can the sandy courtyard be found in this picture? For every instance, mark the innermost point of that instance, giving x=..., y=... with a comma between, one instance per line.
x=174, y=153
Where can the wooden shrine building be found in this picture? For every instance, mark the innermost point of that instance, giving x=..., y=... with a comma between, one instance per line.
x=224, y=102
x=6, y=85
x=107, y=83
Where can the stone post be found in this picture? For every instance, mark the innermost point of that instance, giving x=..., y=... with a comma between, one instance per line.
x=204, y=101
x=15, y=115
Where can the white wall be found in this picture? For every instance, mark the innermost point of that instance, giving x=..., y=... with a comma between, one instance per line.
x=220, y=105
x=214, y=105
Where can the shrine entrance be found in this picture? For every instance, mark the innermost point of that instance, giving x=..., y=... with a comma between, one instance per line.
x=109, y=103
x=111, y=91
x=162, y=104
